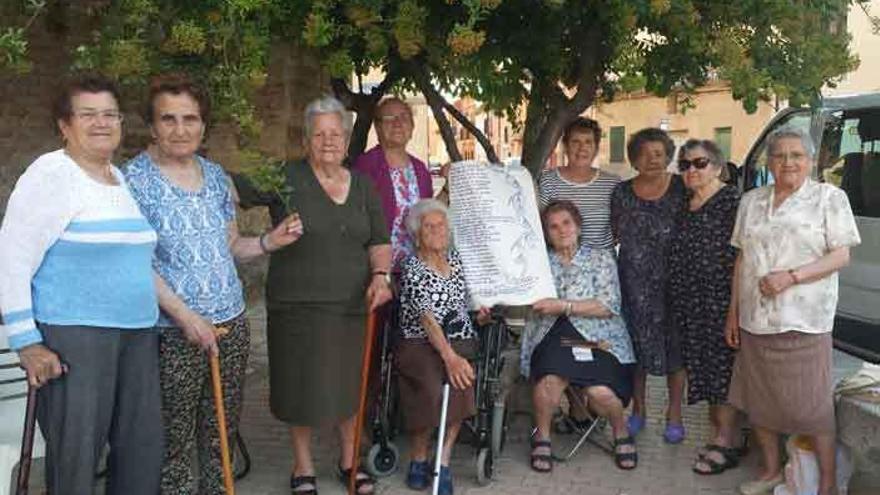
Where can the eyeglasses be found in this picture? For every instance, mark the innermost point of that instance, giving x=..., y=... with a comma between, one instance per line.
x=91, y=116
x=394, y=119
x=698, y=163
x=793, y=156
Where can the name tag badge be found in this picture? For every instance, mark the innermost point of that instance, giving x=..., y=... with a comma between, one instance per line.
x=582, y=354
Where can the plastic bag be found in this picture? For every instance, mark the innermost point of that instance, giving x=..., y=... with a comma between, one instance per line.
x=801, y=470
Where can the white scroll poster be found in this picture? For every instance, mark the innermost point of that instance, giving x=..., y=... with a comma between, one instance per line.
x=497, y=232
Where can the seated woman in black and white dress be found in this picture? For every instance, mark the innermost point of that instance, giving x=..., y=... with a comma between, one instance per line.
x=438, y=338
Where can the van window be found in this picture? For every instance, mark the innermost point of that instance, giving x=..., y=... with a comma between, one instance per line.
x=850, y=157
x=758, y=174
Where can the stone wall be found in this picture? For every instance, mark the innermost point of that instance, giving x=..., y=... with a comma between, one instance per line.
x=26, y=130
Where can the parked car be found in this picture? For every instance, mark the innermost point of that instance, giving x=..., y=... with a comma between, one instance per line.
x=847, y=132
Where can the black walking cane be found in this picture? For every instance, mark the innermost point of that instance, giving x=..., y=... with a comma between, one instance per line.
x=27, y=442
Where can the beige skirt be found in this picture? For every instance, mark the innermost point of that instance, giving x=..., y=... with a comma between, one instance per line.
x=784, y=383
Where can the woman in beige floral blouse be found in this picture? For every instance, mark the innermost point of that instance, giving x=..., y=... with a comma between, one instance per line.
x=793, y=237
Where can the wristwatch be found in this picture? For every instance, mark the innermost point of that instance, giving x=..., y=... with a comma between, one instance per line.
x=385, y=275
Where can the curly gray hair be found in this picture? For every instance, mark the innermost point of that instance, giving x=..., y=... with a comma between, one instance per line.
x=418, y=211
x=324, y=105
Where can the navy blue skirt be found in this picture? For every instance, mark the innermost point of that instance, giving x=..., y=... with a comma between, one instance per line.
x=550, y=357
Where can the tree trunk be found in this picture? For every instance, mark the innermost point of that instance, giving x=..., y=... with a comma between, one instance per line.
x=446, y=131
x=550, y=110
x=364, y=106
x=361, y=131
x=437, y=104
x=537, y=112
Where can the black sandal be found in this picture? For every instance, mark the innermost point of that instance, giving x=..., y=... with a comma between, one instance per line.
x=731, y=457
x=542, y=458
x=621, y=457
x=298, y=481
x=362, y=478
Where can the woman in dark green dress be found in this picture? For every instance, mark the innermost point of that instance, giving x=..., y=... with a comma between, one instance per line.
x=319, y=289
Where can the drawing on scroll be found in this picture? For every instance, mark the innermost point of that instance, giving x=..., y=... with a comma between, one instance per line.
x=497, y=231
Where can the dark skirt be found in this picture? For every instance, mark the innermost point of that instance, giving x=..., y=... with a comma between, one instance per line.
x=784, y=383
x=420, y=380
x=550, y=357
x=315, y=354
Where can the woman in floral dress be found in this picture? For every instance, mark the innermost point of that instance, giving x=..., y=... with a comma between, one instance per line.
x=644, y=212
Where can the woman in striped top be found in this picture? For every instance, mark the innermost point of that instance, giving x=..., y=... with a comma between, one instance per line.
x=78, y=298
x=588, y=187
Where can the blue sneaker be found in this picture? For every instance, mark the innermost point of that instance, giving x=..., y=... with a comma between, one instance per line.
x=445, y=481
x=419, y=475
x=635, y=424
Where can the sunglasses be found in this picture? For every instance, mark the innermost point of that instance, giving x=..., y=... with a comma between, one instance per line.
x=698, y=163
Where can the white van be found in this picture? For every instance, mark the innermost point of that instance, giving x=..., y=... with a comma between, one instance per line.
x=847, y=132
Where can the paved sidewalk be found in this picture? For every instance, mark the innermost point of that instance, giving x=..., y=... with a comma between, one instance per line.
x=663, y=469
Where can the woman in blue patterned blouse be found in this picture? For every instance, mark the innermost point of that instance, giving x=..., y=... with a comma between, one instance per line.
x=579, y=338
x=188, y=201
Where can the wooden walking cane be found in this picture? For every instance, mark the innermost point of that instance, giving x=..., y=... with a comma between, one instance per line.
x=362, y=404
x=228, y=480
x=27, y=442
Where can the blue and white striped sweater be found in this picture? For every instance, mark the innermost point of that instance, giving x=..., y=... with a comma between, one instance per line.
x=73, y=252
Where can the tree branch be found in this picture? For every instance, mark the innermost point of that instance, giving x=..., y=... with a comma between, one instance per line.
x=436, y=102
x=364, y=106
x=428, y=89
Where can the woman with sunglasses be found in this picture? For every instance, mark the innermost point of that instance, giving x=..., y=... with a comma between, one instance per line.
x=700, y=270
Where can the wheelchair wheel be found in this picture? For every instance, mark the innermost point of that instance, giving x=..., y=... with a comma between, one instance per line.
x=485, y=466
x=499, y=428
x=382, y=460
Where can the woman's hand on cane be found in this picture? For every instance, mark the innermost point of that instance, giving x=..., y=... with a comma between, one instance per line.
x=459, y=371
x=200, y=332
x=40, y=364
x=378, y=292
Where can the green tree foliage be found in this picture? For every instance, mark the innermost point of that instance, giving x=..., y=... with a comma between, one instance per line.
x=550, y=58
x=222, y=43
x=560, y=56
x=13, y=40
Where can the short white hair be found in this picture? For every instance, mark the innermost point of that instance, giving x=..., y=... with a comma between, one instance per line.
x=418, y=211
x=324, y=105
x=790, y=132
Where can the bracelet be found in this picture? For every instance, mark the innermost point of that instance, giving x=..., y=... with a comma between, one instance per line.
x=794, y=277
x=568, y=308
x=385, y=276
x=263, y=247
